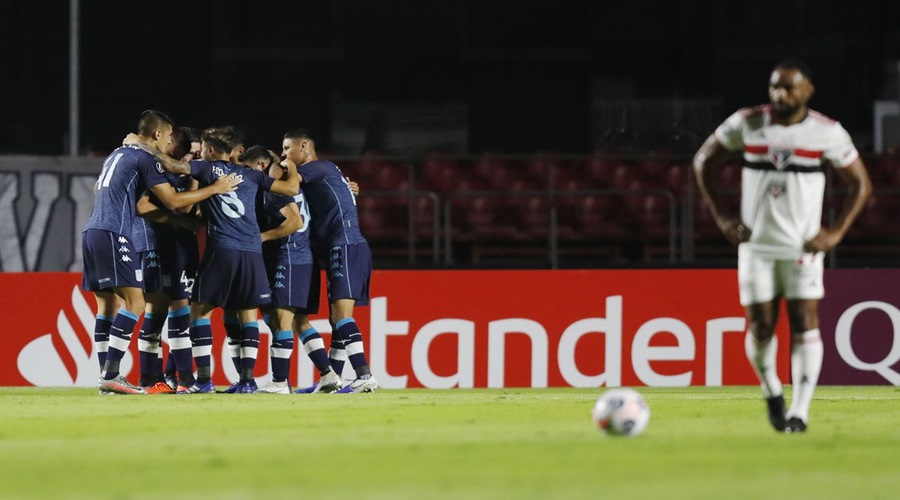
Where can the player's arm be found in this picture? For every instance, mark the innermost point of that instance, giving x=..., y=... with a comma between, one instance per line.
x=711, y=155
x=174, y=200
x=293, y=221
x=171, y=164
x=289, y=186
x=147, y=210
x=859, y=190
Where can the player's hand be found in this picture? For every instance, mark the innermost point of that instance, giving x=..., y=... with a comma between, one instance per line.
x=227, y=183
x=286, y=163
x=354, y=187
x=131, y=139
x=824, y=241
x=734, y=230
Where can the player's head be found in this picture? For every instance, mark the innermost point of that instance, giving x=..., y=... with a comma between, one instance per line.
x=194, y=137
x=234, y=138
x=213, y=147
x=155, y=128
x=258, y=158
x=298, y=146
x=180, y=147
x=790, y=88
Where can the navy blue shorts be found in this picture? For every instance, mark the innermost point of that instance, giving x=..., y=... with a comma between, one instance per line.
x=152, y=271
x=179, y=261
x=110, y=261
x=349, y=272
x=294, y=285
x=233, y=279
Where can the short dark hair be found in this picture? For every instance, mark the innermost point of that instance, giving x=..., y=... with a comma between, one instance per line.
x=151, y=120
x=191, y=133
x=798, y=65
x=230, y=135
x=254, y=153
x=300, y=133
x=182, y=142
x=211, y=137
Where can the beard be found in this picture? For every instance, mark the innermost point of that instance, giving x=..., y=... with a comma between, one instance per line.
x=784, y=111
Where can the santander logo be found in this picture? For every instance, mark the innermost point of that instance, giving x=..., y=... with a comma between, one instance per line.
x=40, y=363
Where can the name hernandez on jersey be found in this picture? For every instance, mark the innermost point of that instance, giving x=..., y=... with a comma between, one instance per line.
x=783, y=175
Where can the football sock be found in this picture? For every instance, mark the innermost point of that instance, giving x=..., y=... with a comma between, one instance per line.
x=101, y=337
x=314, y=347
x=233, y=331
x=149, y=348
x=180, y=353
x=336, y=352
x=169, y=369
x=762, y=358
x=352, y=337
x=119, y=338
x=201, y=347
x=280, y=354
x=249, y=348
x=806, y=363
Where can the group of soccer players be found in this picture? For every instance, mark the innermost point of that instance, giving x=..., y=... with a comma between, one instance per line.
x=264, y=240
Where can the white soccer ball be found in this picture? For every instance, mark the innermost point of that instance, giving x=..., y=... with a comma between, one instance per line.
x=621, y=412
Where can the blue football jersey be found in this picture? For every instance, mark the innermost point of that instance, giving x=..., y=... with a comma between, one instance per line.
x=295, y=245
x=232, y=216
x=331, y=204
x=127, y=173
x=146, y=234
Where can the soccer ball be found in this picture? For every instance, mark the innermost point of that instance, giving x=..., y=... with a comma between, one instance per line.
x=621, y=412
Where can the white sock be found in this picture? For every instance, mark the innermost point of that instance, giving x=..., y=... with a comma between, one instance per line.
x=762, y=358
x=806, y=363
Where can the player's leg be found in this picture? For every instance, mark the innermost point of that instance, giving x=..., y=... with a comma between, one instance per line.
x=280, y=321
x=249, y=346
x=804, y=278
x=232, y=322
x=180, y=353
x=132, y=300
x=107, y=306
x=201, y=347
x=349, y=273
x=150, y=342
x=314, y=347
x=757, y=285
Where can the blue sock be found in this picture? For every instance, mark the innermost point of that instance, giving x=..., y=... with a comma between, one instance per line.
x=233, y=331
x=119, y=339
x=149, y=348
x=314, y=347
x=101, y=337
x=249, y=348
x=280, y=353
x=352, y=338
x=180, y=345
x=201, y=346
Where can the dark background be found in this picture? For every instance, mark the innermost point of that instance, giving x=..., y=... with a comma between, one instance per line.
x=525, y=71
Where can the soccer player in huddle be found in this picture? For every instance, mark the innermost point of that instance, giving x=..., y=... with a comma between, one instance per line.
x=781, y=243
x=338, y=242
x=232, y=273
x=112, y=267
x=169, y=270
x=293, y=279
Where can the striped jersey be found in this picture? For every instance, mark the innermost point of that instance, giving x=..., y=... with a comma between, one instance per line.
x=783, y=176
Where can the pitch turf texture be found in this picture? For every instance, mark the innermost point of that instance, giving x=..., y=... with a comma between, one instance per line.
x=427, y=444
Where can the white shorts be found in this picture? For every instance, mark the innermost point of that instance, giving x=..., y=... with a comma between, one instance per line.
x=764, y=279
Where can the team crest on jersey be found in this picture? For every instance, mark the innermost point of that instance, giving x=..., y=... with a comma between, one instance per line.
x=159, y=168
x=780, y=157
x=776, y=189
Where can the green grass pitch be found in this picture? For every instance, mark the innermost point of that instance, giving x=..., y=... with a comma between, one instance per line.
x=431, y=444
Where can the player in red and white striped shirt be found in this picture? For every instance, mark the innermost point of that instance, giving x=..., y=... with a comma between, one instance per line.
x=785, y=148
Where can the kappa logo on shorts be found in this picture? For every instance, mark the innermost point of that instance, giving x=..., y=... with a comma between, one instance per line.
x=265, y=295
x=126, y=258
x=123, y=249
x=122, y=239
